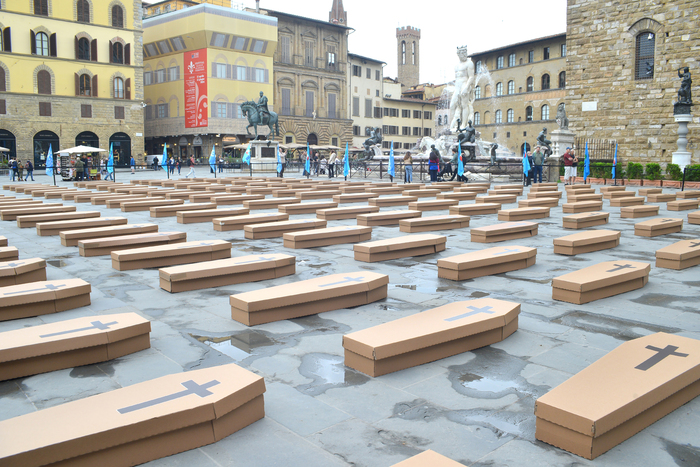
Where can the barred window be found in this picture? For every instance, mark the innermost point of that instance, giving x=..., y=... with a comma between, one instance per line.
x=545, y=112
x=644, y=56
x=511, y=87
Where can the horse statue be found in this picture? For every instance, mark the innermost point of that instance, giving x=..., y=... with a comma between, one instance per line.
x=250, y=110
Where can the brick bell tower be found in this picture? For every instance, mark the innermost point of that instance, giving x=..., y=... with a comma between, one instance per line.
x=408, y=46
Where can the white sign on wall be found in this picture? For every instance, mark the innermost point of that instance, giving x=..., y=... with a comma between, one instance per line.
x=589, y=106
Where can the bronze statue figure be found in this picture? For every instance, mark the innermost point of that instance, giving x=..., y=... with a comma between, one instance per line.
x=374, y=139
x=258, y=114
x=684, y=93
x=543, y=142
x=466, y=135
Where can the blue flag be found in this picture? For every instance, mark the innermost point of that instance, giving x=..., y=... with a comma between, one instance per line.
x=246, y=155
x=392, y=169
x=49, y=162
x=346, y=162
x=110, y=161
x=279, y=161
x=164, y=162
x=586, y=165
x=307, y=164
x=614, y=162
x=460, y=164
x=212, y=159
x=526, y=161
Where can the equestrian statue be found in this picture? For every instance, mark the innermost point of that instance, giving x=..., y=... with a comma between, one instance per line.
x=258, y=114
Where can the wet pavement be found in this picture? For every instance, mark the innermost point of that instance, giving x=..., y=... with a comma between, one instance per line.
x=476, y=407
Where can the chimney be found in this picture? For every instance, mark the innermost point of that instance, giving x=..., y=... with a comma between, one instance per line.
x=257, y=6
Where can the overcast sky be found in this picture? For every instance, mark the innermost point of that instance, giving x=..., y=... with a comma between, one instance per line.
x=444, y=25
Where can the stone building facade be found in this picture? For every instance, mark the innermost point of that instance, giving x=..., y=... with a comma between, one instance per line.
x=408, y=55
x=71, y=74
x=519, y=88
x=622, y=76
x=365, y=76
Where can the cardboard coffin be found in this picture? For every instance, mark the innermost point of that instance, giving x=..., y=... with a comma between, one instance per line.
x=586, y=242
x=627, y=201
x=544, y=194
x=13, y=213
x=619, y=395
x=600, y=281
x=521, y=214
x=208, y=215
x=354, y=197
x=499, y=199
x=506, y=191
x=229, y=271
x=582, y=206
x=682, y=204
x=22, y=271
x=605, y=189
x=582, y=186
x=171, y=211
x=460, y=196
x=354, y=189
x=688, y=194
x=431, y=223
x=116, y=203
x=573, y=197
x=138, y=423
x=679, y=255
x=422, y=193
x=481, y=209
x=170, y=255
x=386, y=217
x=106, y=245
x=399, y=247
x=433, y=204
x=132, y=206
x=392, y=201
x=345, y=213
x=486, y=262
x=643, y=210
x=546, y=186
x=327, y=236
x=388, y=190
x=8, y=253
x=585, y=220
x=428, y=458
x=42, y=298
x=222, y=200
x=224, y=224
x=504, y=231
x=661, y=197
x=3, y=241
x=656, y=227
x=58, y=194
x=285, y=192
x=309, y=297
x=306, y=208
x=694, y=217
x=67, y=344
x=431, y=335
x=646, y=191
x=271, y=203
x=24, y=222
x=618, y=194
x=44, y=229
x=278, y=229
x=539, y=202
x=317, y=194
x=473, y=188
x=72, y=237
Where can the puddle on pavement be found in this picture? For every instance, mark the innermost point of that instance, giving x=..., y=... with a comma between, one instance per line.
x=327, y=372
x=479, y=383
x=57, y=263
x=613, y=327
x=654, y=299
x=478, y=294
x=425, y=290
x=682, y=454
x=316, y=266
x=238, y=346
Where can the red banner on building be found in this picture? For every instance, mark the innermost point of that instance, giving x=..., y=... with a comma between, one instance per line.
x=196, y=100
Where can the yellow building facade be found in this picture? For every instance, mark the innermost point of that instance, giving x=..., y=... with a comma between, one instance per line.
x=70, y=74
x=217, y=56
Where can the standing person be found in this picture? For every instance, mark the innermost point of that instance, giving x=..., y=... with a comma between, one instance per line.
x=331, y=164
x=178, y=166
x=303, y=156
x=20, y=171
x=30, y=171
x=109, y=175
x=79, y=167
x=283, y=161
x=317, y=162
x=568, y=160
x=190, y=164
x=221, y=164
x=103, y=168
x=528, y=175
x=155, y=163
x=574, y=168
x=408, y=167
x=86, y=168
x=538, y=160
x=433, y=163
x=132, y=163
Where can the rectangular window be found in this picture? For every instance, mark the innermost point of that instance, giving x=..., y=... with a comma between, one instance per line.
x=219, y=70
x=3, y=107
x=285, y=49
x=386, y=112
x=531, y=56
x=44, y=109
x=178, y=43
x=149, y=112
x=288, y=139
x=378, y=112
x=426, y=132
x=151, y=50
x=162, y=110
x=416, y=131
x=406, y=131
x=259, y=75
x=147, y=78
x=356, y=131
x=368, y=108
x=239, y=43
x=258, y=46
x=286, y=101
x=164, y=47
x=357, y=70
x=160, y=76
x=119, y=112
x=331, y=106
x=85, y=111
x=308, y=53
x=405, y=113
x=499, y=62
x=417, y=114
x=174, y=73
x=309, y=103
x=428, y=115
x=546, y=53
x=355, y=106
x=240, y=73
x=219, y=109
x=218, y=40
x=407, y=145
x=331, y=61
x=511, y=60
x=377, y=92
x=563, y=50
x=369, y=73
x=377, y=75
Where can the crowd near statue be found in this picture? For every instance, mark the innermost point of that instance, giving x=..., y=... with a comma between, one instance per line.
x=374, y=140
x=544, y=143
x=463, y=96
x=684, y=93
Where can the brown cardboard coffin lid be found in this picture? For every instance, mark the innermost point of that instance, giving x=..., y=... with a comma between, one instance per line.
x=127, y=239
x=241, y=219
x=400, y=243
x=614, y=389
x=487, y=257
x=128, y=414
x=404, y=198
x=8, y=251
x=478, y=207
x=428, y=459
x=175, y=249
x=283, y=225
x=445, y=219
x=40, y=291
x=534, y=209
x=239, y=264
x=640, y=208
x=320, y=288
x=21, y=266
x=330, y=232
x=506, y=227
x=600, y=275
x=584, y=204
x=71, y=224
x=660, y=223
x=70, y=334
x=350, y=209
x=587, y=216
x=257, y=202
x=497, y=197
x=40, y=209
x=389, y=214
x=431, y=327
x=122, y=229
x=207, y=212
x=680, y=251
x=60, y=216
x=588, y=237
x=434, y=202
x=184, y=207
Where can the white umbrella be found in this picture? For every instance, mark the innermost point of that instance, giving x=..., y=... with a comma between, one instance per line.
x=80, y=150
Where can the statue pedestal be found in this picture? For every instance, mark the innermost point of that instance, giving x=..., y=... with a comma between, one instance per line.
x=561, y=139
x=682, y=156
x=264, y=151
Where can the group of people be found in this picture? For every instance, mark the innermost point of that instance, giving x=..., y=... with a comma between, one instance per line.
x=17, y=170
x=319, y=165
x=536, y=160
x=440, y=170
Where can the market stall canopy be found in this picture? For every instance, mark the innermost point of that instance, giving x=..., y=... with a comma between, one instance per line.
x=4, y=149
x=236, y=146
x=80, y=150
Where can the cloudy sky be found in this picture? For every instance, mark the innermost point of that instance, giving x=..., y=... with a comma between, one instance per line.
x=444, y=25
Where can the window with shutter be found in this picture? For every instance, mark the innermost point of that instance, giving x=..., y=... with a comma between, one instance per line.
x=117, y=53
x=85, y=111
x=119, y=112
x=41, y=7
x=285, y=52
x=84, y=85
x=83, y=49
x=93, y=50
x=117, y=17
x=368, y=108
x=331, y=106
x=43, y=82
x=3, y=86
x=355, y=106
x=44, y=109
x=83, y=10
x=52, y=45
x=118, y=88
x=127, y=89
x=308, y=53
x=286, y=101
x=309, y=103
